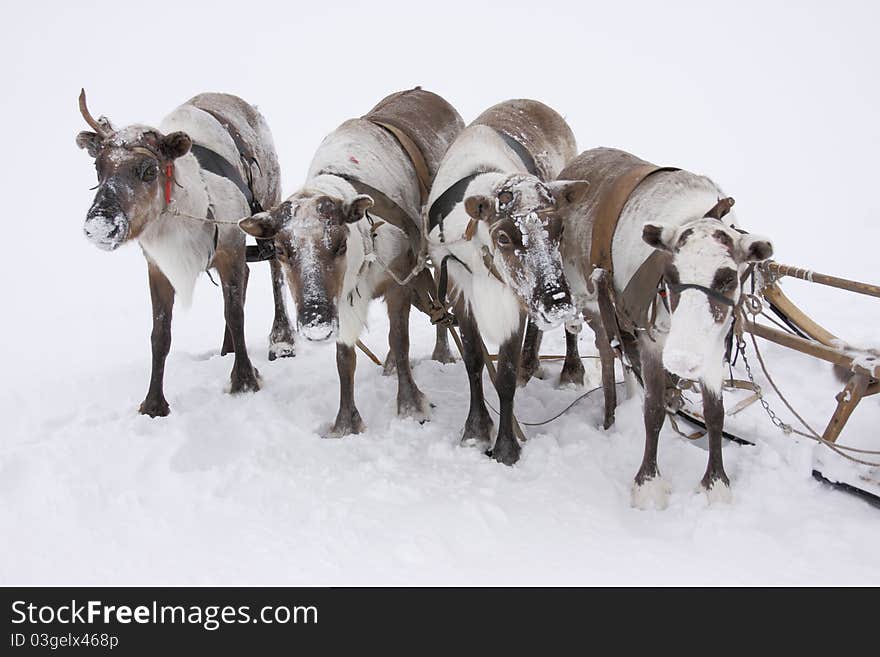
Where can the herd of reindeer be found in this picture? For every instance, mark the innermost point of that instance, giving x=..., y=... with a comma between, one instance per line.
x=499, y=229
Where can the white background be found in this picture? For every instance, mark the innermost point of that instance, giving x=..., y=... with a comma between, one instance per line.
x=778, y=102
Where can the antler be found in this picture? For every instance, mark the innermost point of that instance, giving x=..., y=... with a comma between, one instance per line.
x=721, y=208
x=95, y=125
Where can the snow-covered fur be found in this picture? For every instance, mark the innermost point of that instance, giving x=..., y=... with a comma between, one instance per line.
x=497, y=307
x=170, y=235
x=183, y=248
x=363, y=274
x=340, y=237
x=683, y=215
x=494, y=305
x=152, y=188
x=693, y=342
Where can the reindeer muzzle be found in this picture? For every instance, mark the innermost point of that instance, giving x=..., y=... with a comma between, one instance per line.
x=106, y=227
x=554, y=308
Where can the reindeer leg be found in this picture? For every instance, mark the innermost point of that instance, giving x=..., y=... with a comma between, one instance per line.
x=442, y=353
x=228, y=343
x=572, y=373
x=506, y=449
x=162, y=296
x=606, y=360
x=233, y=279
x=649, y=488
x=530, y=361
x=715, y=483
x=478, y=426
x=282, y=343
x=348, y=419
x=410, y=400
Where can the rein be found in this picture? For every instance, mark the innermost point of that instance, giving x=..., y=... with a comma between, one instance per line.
x=709, y=292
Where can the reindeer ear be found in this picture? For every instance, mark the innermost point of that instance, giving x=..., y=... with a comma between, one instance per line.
x=90, y=141
x=479, y=207
x=752, y=248
x=263, y=225
x=175, y=145
x=568, y=192
x=356, y=209
x=659, y=236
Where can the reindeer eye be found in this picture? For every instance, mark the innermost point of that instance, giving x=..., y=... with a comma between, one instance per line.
x=342, y=248
x=503, y=239
x=148, y=172
x=505, y=197
x=725, y=280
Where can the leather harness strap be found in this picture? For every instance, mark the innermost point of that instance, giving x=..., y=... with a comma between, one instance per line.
x=415, y=156
x=384, y=207
x=212, y=161
x=218, y=165
x=608, y=213
x=521, y=152
x=640, y=294
x=444, y=203
x=634, y=303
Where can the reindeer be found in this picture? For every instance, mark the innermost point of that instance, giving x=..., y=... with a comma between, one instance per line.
x=494, y=226
x=352, y=232
x=176, y=190
x=654, y=259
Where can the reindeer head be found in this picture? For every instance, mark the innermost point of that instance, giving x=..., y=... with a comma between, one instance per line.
x=311, y=233
x=707, y=260
x=520, y=228
x=132, y=166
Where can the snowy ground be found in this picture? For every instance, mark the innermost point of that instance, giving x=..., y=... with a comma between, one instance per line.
x=230, y=490
x=242, y=490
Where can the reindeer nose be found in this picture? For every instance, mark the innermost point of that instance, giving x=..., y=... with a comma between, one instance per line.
x=106, y=230
x=316, y=327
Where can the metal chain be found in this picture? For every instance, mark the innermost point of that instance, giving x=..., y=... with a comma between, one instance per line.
x=777, y=422
x=787, y=428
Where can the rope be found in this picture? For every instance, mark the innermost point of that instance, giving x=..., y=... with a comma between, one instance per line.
x=172, y=210
x=788, y=429
x=560, y=413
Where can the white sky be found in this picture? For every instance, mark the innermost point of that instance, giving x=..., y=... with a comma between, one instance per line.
x=778, y=102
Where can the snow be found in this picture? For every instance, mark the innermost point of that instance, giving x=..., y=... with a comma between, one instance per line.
x=234, y=490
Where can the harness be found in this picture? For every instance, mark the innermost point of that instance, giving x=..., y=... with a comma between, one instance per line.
x=215, y=163
x=419, y=280
x=446, y=202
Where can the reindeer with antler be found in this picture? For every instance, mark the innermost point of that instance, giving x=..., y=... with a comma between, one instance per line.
x=179, y=191
x=654, y=258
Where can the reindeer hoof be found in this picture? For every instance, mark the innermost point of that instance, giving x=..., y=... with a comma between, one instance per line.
x=526, y=374
x=478, y=431
x=506, y=451
x=653, y=492
x=281, y=350
x=416, y=407
x=608, y=422
x=572, y=376
x=717, y=489
x=154, y=407
x=346, y=425
x=245, y=382
x=442, y=354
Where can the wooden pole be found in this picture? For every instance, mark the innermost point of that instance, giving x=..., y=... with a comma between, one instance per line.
x=809, y=347
x=823, y=279
x=847, y=400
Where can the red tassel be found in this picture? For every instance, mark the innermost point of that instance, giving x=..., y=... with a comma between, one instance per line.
x=169, y=177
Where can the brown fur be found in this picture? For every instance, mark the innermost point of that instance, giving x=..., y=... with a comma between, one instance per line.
x=136, y=168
